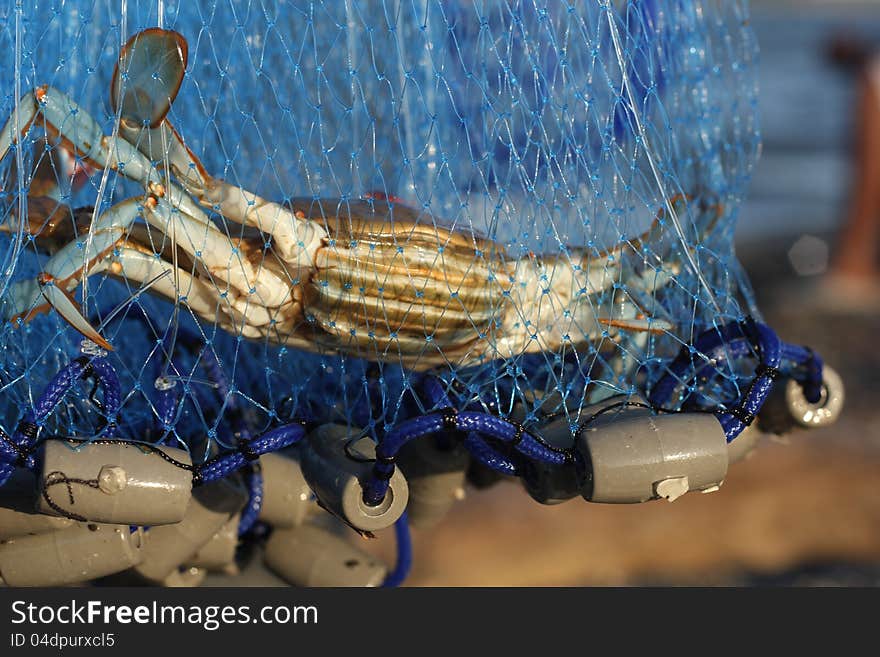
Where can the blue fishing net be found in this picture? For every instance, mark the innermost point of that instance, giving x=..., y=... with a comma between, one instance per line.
x=609, y=138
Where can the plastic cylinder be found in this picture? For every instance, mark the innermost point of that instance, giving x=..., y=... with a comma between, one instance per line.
x=79, y=553
x=119, y=483
x=309, y=556
x=18, y=503
x=554, y=484
x=744, y=444
x=185, y=577
x=334, y=463
x=16, y=522
x=169, y=546
x=635, y=456
x=219, y=552
x=287, y=498
x=551, y=484
x=435, y=478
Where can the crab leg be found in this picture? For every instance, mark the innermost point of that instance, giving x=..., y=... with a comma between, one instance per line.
x=32, y=296
x=197, y=236
x=63, y=272
x=154, y=62
x=136, y=264
x=18, y=123
x=109, y=251
x=221, y=257
x=145, y=82
x=569, y=299
x=296, y=239
x=204, y=242
x=80, y=133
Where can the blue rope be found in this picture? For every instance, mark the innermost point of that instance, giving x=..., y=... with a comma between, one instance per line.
x=17, y=450
x=478, y=448
x=735, y=341
x=251, y=511
x=109, y=381
x=770, y=348
x=470, y=422
x=13, y=453
x=404, y=553
x=254, y=480
x=167, y=403
x=489, y=456
x=168, y=400
x=512, y=433
x=225, y=464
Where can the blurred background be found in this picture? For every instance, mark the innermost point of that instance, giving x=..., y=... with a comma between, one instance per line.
x=804, y=510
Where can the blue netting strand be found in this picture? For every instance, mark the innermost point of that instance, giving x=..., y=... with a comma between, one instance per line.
x=18, y=449
x=421, y=220
x=499, y=121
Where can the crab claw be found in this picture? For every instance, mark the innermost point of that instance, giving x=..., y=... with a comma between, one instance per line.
x=148, y=76
x=70, y=310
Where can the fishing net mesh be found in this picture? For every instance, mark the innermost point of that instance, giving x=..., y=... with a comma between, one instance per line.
x=614, y=139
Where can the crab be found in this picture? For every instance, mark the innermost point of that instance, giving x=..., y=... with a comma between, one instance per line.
x=369, y=277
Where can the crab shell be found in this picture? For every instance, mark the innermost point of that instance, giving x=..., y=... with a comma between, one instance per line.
x=389, y=285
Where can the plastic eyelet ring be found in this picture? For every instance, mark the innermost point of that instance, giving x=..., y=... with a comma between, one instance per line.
x=823, y=413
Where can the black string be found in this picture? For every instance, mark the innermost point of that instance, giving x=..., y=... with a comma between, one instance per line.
x=741, y=414
x=773, y=373
x=247, y=451
x=88, y=371
x=22, y=453
x=622, y=404
x=518, y=436
x=58, y=478
x=28, y=429
x=739, y=411
x=449, y=415
x=93, y=395
x=118, y=441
